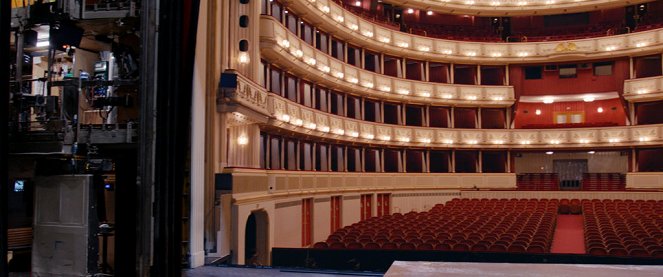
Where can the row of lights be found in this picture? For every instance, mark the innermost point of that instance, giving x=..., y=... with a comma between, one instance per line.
x=551, y=152
x=284, y=43
x=539, y=112
x=355, y=134
x=402, y=44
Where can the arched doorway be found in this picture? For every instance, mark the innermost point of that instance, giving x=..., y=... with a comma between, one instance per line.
x=256, y=246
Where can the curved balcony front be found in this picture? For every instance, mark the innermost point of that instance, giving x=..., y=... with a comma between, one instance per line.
x=513, y=7
x=288, y=51
x=350, y=27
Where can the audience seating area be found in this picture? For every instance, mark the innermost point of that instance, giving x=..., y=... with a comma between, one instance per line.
x=603, y=181
x=537, y=181
x=590, y=182
x=624, y=227
x=493, y=225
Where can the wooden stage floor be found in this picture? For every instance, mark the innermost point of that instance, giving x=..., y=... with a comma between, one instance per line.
x=429, y=269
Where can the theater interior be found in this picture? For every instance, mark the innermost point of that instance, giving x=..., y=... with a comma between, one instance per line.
x=331, y=137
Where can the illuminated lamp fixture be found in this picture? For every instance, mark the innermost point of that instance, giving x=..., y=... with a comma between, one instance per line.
x=583, y=141
x=522, y=3
x=353, y=134
x=368, y=136
x=358, y=3
x=550, y=2
x=402, y=44
x=311, y=125
x=339, y=18
x=429, y=13
x=548, y=100
x=284, y=117
x=297, y=122
x=424, y=94
x=311, y=61
x=367, y=34
x=537, y=112
x=447, y=96
x=640, y=44
x=641, y=91
x=324, y=129
x=599, y=109
x=403, y=91
x=523, y=54
x=385, y=138
x=339, y=131
x=385, y=88
x=591, y=152
x=298, y=53
x=242, y=140
x=448, y=141
x=353, y=80
x=447, y=51
x=324, y=68
x=496, y=54
x=243, y=58
x=384, y=39
x=613, y=140
x=353, y=27
x=471, y=2
x=554, y=142
x=611, y=48
x=285, y=43
x=498, y=142
x=525, y=142
x=495, y=3
x=588, y=99
x=550, y=152
x=325, y=9
x=425, y=140
x=367, y=84
x=470, y=53
x=424, y=48
x=338, y=74
x=410, y=11
x=472, y=97
x=404, y=139
x=497, y=98
x=472, y=142
x=643, y=139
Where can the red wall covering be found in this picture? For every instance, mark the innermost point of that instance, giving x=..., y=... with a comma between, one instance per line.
x=614, y=117
x=586, y=82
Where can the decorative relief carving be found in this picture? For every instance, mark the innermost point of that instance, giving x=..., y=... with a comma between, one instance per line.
x=307, y=116
x=381, y=131
x=335, y=122
x=566, y=47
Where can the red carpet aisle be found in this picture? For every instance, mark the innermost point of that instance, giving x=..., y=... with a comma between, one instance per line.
x=569, y=237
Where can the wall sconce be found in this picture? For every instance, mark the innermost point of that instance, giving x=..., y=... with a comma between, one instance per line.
x=537, y=112
x=243, y=58
x=242, y=140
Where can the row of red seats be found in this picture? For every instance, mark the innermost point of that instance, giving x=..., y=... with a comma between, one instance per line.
x=624, y=228
x=604, y=181
x=517, y=225
x=537, y=181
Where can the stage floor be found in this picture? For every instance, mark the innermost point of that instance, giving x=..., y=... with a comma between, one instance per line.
x=425, y=269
